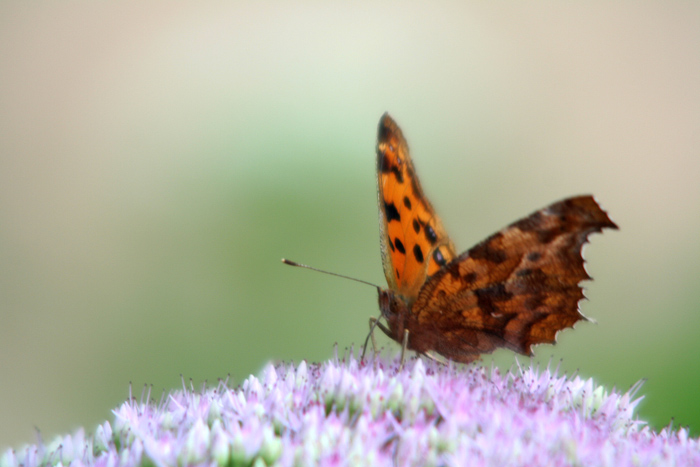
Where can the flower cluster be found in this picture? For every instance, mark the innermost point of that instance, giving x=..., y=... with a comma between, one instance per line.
x=344, y=412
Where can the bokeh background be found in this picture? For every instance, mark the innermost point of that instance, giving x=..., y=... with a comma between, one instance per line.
x=157, y=160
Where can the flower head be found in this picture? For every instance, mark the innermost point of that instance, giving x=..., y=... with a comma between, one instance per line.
x=344, y=412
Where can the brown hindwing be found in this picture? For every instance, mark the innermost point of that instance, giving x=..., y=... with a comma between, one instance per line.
x=515, y=289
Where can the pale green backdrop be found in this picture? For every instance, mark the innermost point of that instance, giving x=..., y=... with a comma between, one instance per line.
x=157, y=160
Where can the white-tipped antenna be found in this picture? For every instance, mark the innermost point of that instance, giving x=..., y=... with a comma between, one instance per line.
x=299, y=265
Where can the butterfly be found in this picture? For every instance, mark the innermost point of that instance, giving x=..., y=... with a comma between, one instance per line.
x=515, y=289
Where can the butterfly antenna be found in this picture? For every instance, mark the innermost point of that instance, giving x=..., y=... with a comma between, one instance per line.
x=299, y=265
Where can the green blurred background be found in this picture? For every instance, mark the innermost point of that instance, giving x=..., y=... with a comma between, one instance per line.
x=157, y=160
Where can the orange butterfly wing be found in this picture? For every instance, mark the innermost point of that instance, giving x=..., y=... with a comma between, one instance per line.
x=515, y=289
x=413, y=242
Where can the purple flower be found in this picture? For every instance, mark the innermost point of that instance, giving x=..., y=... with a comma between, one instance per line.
x=343, y=412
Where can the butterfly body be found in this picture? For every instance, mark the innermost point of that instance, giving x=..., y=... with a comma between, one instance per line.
x=515, y=289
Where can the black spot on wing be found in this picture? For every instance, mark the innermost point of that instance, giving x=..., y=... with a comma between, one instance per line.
x=416, y=226
x=418, y=253
x=392, y=214
x=453, y=270
x=397, y=173
x=407, y=202
x=430, y=234
x=439, y=259
x=399, y=246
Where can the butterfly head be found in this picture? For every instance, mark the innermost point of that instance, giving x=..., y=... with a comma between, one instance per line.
x=394, y=309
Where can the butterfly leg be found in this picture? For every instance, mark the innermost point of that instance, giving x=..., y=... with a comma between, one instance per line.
x=373, y=323
x=404, y=346
x=437, y=357
x=385, y=330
